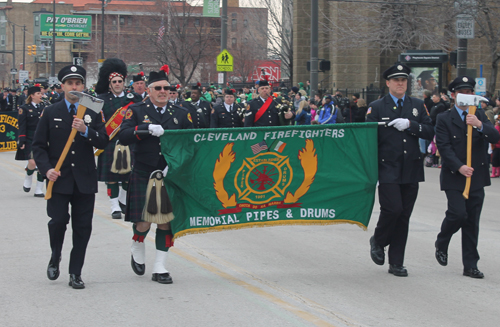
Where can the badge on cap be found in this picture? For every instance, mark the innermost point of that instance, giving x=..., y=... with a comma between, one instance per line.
x=73, y=69
x=465, y=79
x=415, y=112
x=400, y=67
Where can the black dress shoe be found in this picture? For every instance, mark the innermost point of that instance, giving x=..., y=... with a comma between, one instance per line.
x=398, y=270
x=122, y=207
x=39, y=195
x=138, y=268
x=473, y=272
x=162, y=278
x=26, y=189
x=76, y=282
x=376, y=252
x=116, y=215
x=441, y=257
x=53, y=270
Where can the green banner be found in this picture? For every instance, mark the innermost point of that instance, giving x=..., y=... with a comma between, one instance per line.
x=222, y=179
x=211, y=8
x=8, y=131
x=75, y=27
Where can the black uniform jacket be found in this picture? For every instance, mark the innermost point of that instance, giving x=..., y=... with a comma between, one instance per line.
x=269, y=118
x=222, y=118
x=197, y=113
x=148, y=149
x=451, y=140
x=399, y=157
x=28, y=119
x=79, y=167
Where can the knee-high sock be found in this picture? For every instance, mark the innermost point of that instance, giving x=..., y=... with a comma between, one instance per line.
x=163, y=243
x=113, y=190
x=122, y=195
x=138, y=247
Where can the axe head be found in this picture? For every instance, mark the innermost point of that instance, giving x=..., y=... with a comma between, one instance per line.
x=464, y=100
x=88, y=101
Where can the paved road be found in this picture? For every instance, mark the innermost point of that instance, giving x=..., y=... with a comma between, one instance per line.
x=279, y=276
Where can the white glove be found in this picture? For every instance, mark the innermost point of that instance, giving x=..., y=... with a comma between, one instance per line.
x=156, y=130
x=400, y=124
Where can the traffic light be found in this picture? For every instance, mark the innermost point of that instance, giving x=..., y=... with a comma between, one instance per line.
x=29, y=50
x=34, y=50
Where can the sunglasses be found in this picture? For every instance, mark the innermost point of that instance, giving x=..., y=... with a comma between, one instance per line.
x=116, y=81
x=165, y=88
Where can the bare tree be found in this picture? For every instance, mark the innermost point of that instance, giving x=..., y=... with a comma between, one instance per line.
x=182, y=38
x=486, y=14
x=391, y=25
x=280, y=34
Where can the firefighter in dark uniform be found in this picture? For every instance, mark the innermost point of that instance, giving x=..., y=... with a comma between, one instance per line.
x=173, y=98
x=110, y=88
x=76, y=182
x=199, y=109
x=451, y=141
x=227, y=114
x=139, y=87
x=400, y=165
x=29, y=115
x=153, y=115
x=254, y=116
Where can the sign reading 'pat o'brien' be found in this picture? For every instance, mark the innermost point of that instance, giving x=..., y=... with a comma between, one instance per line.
x=222, y=179
x=8, y=131
x=67, y=26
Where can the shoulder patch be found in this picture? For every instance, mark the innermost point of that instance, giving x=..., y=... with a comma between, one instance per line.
x=248, y=107
x=426, y=110
x=189, y=117
x=20, y=111
x=369, y=111
x=102, y=117
x=129, y=113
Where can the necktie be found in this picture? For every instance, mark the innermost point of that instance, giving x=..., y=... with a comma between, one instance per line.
x=464, y=115
x=159, y=110
x=400, y=104
x=72, y=109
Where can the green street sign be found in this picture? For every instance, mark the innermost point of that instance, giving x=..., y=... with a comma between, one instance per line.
x=76, y=27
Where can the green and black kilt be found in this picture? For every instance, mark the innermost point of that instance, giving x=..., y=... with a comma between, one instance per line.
x=136, y=195
x=105, y=161
x=26, y=153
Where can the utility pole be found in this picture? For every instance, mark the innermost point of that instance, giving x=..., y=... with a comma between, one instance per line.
x=24, y=47
x=314, y=48
x=13, y=54
x=53, y=47
x=223, y=34
x=102, y=31
x=462, y=57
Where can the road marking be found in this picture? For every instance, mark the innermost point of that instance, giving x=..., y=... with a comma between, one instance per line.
x=309, y=317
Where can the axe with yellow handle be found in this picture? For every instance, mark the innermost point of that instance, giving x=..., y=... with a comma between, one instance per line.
x=472, y=101
x=85, y=102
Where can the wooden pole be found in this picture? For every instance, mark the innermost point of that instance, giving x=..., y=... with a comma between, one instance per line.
x=472, y=111
x=79, y=114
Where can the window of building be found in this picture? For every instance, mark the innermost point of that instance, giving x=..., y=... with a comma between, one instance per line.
x=234, y=15
x=234, y=43
x=245, y=22
x=2, y=41
x=245, y=40
x=213, y=23
x=196, y=22
x=122, y=20
x=114, y=21
x=130, y=20
x=234, y=25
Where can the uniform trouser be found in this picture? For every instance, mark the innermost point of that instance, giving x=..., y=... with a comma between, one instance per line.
x=396, y=205
x=463, y=214
x=82, y=209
